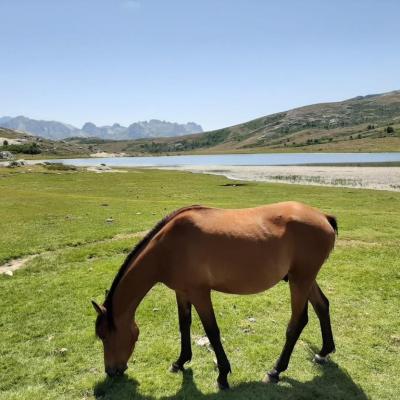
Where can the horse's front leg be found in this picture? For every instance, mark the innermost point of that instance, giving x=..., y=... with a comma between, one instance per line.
x=203, y=305
x=185, y=320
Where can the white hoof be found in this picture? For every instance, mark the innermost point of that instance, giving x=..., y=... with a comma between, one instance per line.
x=320, y=359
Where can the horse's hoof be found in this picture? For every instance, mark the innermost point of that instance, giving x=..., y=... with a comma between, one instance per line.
x=271, y=377
x=223, y=386
x=321, y=360
x=175, y=368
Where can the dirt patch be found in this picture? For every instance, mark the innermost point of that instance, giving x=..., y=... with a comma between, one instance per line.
x=12, y=141
x=356, y=243
x=234, y=184
x=103, y=169
x=10, y=266
x=104, y=154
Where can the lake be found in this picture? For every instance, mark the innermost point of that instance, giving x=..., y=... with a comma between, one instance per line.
x=236, y=159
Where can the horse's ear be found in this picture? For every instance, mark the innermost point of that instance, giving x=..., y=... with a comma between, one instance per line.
x=99, y=309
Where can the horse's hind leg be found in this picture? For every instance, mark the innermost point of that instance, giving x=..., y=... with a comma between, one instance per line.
x=299, y=292
x=185, y=320
x=321, y=307
x=203, y=305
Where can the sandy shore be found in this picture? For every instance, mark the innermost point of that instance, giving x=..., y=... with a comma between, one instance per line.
x=104, y=154
x=379, y=178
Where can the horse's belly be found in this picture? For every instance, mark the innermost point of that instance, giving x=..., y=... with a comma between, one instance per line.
x=248, y=280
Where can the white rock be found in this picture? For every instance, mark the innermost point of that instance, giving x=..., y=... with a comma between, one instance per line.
x=203, y=341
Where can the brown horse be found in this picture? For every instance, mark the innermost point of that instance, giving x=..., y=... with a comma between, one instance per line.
x=198, y=249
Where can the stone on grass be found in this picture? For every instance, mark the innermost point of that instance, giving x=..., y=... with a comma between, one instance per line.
x=63, y=351
x=203, y=341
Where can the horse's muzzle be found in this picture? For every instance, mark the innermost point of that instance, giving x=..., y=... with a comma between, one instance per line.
x=116, y=371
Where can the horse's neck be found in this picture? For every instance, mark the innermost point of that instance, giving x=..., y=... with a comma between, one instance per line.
x=134, y=285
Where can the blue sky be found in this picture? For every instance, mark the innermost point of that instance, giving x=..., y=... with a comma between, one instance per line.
x=215, y=62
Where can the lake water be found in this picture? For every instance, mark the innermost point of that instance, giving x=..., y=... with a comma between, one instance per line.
x=236, y=159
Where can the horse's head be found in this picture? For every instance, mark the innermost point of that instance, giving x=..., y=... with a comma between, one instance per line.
x=118, y=341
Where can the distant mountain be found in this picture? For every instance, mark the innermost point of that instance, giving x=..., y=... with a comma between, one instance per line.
x=4, y=119
x=57, y=130
x=138, y=130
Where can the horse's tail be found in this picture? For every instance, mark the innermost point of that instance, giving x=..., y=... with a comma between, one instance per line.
x=333, y=222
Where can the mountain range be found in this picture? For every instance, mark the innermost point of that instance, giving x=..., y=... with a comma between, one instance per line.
x=58, y=130
x=361, y=124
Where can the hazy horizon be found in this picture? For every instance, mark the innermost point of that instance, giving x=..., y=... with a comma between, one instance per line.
x=214, y=63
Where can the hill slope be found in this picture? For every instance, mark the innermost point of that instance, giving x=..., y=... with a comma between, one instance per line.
x=28, y=146
x=369, y=123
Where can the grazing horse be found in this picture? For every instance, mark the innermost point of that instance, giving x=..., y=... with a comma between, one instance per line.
x=198, y=249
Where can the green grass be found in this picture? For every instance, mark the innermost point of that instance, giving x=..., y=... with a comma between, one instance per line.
x=45, y=308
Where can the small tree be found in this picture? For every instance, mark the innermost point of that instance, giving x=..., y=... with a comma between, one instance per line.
x=389, y=129
x=5, y=143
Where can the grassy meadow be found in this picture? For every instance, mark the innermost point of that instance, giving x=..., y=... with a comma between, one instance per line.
x=48, y=349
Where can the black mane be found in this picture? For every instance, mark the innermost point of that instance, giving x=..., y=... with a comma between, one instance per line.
x=134, y=253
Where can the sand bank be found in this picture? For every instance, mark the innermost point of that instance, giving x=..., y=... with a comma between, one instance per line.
x=379, y=178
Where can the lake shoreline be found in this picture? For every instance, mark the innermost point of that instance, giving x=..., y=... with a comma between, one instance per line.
x=369, y=177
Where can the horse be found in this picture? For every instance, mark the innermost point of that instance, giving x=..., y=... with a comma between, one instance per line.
x=197, y=249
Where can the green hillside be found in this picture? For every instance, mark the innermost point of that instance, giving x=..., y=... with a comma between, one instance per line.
x=22, y=145
x=369, y=123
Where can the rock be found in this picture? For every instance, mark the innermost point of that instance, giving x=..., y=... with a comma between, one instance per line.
x=156, y=309
x=15, y=163
x=203, y=341
x=110, y=220
x=395, y=339
x=251, y=319
x=9, y=273
x=63, y=351
x=6, y=155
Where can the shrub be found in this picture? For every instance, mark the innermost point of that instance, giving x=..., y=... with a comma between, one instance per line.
x=26, y=148
x=59, y=167
x=389, y=129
